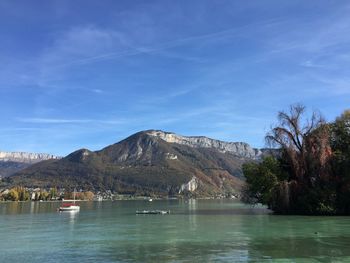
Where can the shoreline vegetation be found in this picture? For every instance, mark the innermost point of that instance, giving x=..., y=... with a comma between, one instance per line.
x=23, y=194
x=310, y=174
x=127, y=198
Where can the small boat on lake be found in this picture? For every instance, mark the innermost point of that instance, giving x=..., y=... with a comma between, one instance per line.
x=152, y=212
x=69, y=205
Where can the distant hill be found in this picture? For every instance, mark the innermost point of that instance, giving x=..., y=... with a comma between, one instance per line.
x=12, y=162
x=148, y=162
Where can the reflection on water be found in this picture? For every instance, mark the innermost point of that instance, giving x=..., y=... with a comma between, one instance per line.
x=72, y=215
x=195, y=231
x=32, y=207
x=14, y=208
x=192, y=207
x=192, y=204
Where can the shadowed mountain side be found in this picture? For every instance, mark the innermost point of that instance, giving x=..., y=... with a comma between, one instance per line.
x=7, y=168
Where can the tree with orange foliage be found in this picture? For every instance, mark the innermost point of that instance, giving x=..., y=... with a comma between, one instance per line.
x=305, y=154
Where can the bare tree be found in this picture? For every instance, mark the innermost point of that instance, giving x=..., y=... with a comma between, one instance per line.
x=300, y=139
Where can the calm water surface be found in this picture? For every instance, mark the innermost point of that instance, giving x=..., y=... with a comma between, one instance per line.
x=196, y=231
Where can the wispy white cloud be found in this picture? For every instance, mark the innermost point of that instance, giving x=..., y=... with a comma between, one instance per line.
x=312, y=64
x=68, y=121
x=338, y=86
x=97, y=90
x=89, y=44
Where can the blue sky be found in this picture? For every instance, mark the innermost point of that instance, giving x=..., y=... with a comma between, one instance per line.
x=77, y=74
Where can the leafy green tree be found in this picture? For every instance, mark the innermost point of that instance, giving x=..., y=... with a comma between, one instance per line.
x=262, y=180
x=340, y=142
x=13, y=195
x=44, y=195
x=23, y=193
x=53, y=192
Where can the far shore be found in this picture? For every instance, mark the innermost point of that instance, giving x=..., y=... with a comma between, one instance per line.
x=121, y=199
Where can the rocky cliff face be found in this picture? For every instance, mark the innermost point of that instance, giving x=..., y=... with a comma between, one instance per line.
x=24, y=157
x=240, y=149
x=191, y=186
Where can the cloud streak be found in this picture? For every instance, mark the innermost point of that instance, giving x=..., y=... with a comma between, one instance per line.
x=96, y=37
x=68, y=121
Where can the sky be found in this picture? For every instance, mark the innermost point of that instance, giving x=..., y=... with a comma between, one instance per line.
x=87, y=74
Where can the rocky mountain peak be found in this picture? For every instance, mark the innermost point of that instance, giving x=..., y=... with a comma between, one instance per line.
x=79, y=155
x=237, y=148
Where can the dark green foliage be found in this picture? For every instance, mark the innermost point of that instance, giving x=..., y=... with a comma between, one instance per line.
x=340, y=142
x=262, y=180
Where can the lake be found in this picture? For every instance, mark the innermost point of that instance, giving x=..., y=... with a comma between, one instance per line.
x=195, y=231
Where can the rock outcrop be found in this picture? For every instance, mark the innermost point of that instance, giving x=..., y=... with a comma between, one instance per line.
x=191, y=186
x=240, y=149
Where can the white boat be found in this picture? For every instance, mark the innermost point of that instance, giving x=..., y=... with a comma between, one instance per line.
x=152, y=212
x=69, y=205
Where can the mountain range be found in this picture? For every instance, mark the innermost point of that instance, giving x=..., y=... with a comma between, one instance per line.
x=12, y=162
x=148, y=162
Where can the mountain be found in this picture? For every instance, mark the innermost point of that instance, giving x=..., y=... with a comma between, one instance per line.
x=12, y=162
x=148, y=162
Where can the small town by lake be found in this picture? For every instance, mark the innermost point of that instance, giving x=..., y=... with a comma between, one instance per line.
x=195, y=231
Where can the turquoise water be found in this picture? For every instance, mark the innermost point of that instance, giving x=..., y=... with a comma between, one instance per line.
x=195, y=231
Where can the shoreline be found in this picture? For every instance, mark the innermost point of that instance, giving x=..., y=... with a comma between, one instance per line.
x=121, y=199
